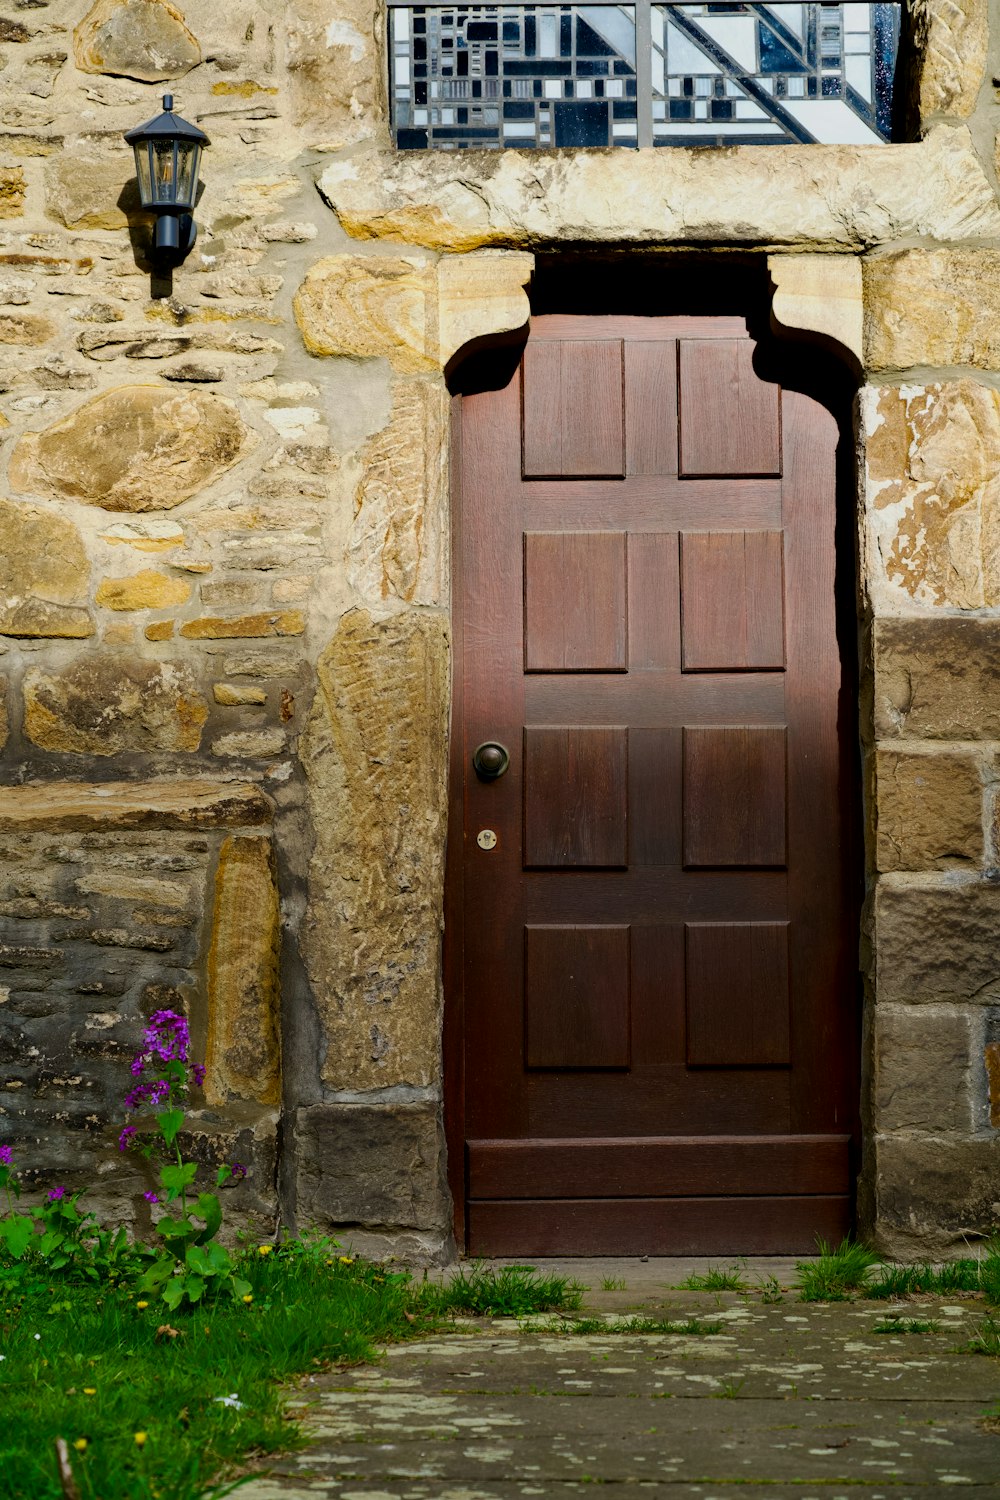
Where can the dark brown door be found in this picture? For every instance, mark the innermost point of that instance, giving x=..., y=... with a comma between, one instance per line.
x=656, y=989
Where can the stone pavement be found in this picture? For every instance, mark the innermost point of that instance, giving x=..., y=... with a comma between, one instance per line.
x=803, y=1400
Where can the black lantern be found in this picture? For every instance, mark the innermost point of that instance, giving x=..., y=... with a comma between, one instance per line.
x=167, y=156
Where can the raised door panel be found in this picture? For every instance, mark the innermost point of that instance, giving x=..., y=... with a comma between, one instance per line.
x=575, y=601
x=729, y=419
x=573, y=420
x=575, y=796
x=576, y=997
x=732, y=601
x=736, y=990
x=734, y=796
x=651, y=407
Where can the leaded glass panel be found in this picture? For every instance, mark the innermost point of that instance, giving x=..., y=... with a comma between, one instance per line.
x=644, y=74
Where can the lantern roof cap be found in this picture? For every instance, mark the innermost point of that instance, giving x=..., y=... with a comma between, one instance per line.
x=167, y=126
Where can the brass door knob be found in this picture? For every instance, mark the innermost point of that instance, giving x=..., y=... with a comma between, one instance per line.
x=490, y=760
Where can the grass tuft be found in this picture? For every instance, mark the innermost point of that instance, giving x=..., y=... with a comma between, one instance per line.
x=718, y=1279
x=692, y=1327
x=986, y=1339
x=836, y=1273
x=510, y=1292
x=612, y=1284
x=896, y=1324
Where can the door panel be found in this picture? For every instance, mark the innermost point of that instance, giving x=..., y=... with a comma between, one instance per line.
x=656, y=975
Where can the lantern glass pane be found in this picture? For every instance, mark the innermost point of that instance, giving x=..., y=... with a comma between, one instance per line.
x=144, y=172
x=164, y=171
x=188, y=154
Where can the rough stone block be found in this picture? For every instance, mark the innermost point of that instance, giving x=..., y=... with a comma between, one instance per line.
x=250, y=1139
x=135, y=448
x=950, y=40
x=162, y=802
x=333, y=68
x=147, y=589
x=935, y=1196
x=83, y=186
x=933, y=491
x=12, y=190
x=923, y=1068
x=937, y=942
x=929, y=810
x=44, y=574
x=104, y=705
x=937, y=678
x=371, y=1164
x=375, y=758
x=243, y=1059
x=25, y=328
x=370, y=307
x=245, y=627
x=932, y=307
x=142, y=39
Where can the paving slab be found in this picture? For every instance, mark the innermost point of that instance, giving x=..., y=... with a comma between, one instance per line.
x=799, y=1399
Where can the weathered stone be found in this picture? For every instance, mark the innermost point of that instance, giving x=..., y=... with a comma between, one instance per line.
x=12, y=190
x=479, y=296
x=923, y=1068
x=176, y=894
x=134, y=448
x=83, y=186
x=235, y=697
x=250, y=743
x=243, y=1058
x=935, y=1195
x=333, y=69
x=929, y=810
x=161, y=802
x=819, y=298
x=104, y=705
x=936, y=942
x=933, y=307
x=829, y=197
x=143, y=39
x=369, y=307
x=195, y=371
x=991, y=1058
x=395, y=544
x=219, y=628
x=150, y=534
x=25, y=328
x=254, y=1145
x=371, y=1164
x=160, y=630
x=950, y=38
x=375, y=757
x=146, y=590
x=44, y=574
x=936, y=678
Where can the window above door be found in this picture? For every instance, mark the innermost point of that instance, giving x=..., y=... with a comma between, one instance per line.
x=641, y=74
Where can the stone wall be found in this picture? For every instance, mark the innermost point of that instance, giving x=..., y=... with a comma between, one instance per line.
x=224, y=584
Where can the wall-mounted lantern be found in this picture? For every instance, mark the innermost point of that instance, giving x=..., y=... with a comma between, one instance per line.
x=167, y=156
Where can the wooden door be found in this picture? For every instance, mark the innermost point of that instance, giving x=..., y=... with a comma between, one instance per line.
x=652, y=958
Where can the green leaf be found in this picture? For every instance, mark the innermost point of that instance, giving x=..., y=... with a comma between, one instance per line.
x=50, y=1241
x=194, y=1286
x=173, y=1293
x=17, y=1230
x=208, y=1207
x=198, y=1261
x=170, y=1123
x=240, y=1287
x=176, y=1177
x=223, y=1174
x=159, y=1272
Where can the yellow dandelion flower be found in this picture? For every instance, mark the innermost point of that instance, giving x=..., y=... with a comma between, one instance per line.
x=141, y=1305
x=346, y=1260
x=90, y=1390
x=80, y=1444
x=248, y=1297
x=264, y=1249
x=140, y=1439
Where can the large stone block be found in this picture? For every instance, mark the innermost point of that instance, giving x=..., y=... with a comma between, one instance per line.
x=83, y=186
x=369, y=307
x=147, y=589
x=936, y=942
x=371, y=1164
x=143, y=39
x=44, y=574
x=936, y=678
x=134, y=448
x=104, y=705
x=837, y=197
x=950, y=39
x=929, y=809
x=933, y=491
x=932, y=307
x=161, y=802
x=333, y=68
x=935, y=1196
x=923, y=1068
x=395, y=548
x=375, y=758
x=243, y=1059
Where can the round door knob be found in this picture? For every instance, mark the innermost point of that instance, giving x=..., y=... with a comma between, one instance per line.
x=490, y=760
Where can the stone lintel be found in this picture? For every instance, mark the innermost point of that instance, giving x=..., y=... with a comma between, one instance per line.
x=175, y=802
x=819, y=298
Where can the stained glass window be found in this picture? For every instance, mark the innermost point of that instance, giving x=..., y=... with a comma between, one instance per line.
x=641, y=74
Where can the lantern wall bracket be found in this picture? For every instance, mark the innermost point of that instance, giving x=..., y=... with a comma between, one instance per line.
x=167, y=157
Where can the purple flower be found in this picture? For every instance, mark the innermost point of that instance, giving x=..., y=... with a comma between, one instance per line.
x=238, y=1170
x=198, y=1074
x=56, y=1193
x=151, y=1197
x=125, y=1138
x=167, y=1036
x=138, y=1063
x=158, y=1091
x=6, y=1156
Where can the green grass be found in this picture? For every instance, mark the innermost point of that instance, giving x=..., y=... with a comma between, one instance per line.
x=612, y=1284
x=694, y=1327
x=510, y=1292
x=896, y=1324
x=986, y=1339
x=88, y=1364
x=904, y=1281
x=836, y=1273
x=717, y=1279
